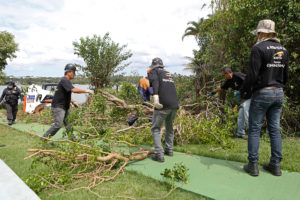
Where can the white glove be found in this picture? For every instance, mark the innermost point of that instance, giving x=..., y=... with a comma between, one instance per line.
x=90, y=91
x=75, y=104
x=157, y=105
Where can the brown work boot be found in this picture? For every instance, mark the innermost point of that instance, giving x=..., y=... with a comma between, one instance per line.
x=273, y=169
x=251, y=168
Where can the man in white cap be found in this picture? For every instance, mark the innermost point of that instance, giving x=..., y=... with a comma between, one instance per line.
x=165, y=108
x=265, y=80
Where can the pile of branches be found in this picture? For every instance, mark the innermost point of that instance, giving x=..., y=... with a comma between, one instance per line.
x=214, y=124
x=88, y=165
x=102, y=150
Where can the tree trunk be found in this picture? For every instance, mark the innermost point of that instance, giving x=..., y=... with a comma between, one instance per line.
x=197, y=90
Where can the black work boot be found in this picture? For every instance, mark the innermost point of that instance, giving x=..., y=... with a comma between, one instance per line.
x=158, y=158
x=10, y=122
x=273, y=169
x=251, y=168
x=168, y=153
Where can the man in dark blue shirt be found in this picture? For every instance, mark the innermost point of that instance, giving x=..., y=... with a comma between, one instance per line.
x=266, y=77
x=234, y=80
x=165, y=108
x=62, y=99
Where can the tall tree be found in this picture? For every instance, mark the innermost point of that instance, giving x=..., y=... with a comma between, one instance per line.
x=8, y=48
x=226, y=33
x=102, y=56
x=193, y=29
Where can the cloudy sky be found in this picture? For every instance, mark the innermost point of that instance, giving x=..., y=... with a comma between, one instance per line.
x=45, y=30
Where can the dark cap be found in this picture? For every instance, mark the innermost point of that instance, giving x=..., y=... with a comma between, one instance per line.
x=157, y=62
x=70, y=67
x=10, y=83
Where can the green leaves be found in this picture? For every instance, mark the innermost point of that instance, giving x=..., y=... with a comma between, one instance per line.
x=129, y=93
x=103, y=58
x=8, y=47
x=177, y=173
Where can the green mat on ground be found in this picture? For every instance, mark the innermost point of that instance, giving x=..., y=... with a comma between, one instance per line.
x=225, y=180
x=213, y=178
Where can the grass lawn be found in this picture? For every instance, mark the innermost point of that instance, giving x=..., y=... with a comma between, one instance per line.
x=132, y=184
x=128, y=184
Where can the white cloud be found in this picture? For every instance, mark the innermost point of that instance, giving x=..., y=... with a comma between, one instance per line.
x=46, y=29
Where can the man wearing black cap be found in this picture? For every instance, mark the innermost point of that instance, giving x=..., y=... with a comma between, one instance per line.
x=165, y=108
x=11, y=94
x=62, y=99
x=266, y=77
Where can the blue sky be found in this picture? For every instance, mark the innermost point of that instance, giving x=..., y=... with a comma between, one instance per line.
x=45, y=30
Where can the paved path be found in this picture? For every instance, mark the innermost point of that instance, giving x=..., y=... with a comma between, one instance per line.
x=12, y=187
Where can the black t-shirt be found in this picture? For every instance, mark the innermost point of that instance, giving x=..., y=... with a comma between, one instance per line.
x=163, y=85
x=236, y=82
x=62, y=95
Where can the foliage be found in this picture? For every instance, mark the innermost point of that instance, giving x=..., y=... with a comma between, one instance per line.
x=224, y=39
x=129, y=93
x=45, y=117
x=184, y=88
x=28, y=80
x=103, y=57
x=8, y=48
x=213, y=125
x=177, y=173
x=290, y=119
x=2, y=77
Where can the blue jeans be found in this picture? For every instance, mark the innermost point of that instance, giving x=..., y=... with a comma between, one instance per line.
x=243, y=117
x=160, y=116
x=265, y=102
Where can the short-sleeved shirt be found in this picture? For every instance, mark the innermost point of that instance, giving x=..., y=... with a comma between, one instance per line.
x=163, y=85
x=62, y=95
x=236, y=82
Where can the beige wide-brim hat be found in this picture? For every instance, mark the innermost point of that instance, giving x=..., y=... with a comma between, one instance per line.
x=265, y=26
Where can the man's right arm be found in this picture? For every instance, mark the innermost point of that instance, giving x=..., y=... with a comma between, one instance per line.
x=77, y=90
x=253, y=71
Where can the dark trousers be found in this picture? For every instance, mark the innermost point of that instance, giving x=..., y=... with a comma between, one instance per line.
x=60, y=116
x=11, y=110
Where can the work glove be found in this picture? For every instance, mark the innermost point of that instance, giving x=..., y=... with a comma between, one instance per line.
x=235, y=108
x=157, y=105
x=75, y=104
x=90, y=91
x=212, y=93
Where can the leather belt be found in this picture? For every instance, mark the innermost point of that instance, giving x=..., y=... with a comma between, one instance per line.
x=270, y=88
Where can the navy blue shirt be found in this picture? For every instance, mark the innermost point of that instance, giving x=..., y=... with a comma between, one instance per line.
x=268, y=67
x=163, y=85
